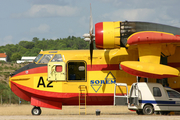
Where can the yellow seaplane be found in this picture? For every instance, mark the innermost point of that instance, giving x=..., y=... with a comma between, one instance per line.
x=128, y=49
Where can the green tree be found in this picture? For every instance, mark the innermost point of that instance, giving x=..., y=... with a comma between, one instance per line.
x=32, y=48
x=26, y=44
x=15, y=56
x=35, y=40
x=35, y=51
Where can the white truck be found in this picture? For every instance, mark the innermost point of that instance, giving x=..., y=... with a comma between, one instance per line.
x=147, y=98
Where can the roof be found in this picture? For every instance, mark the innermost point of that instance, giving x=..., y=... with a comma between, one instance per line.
x=3, y=55
x=28, y=58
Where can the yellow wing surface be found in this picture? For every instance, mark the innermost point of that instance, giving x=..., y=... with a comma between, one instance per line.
x=152, y=41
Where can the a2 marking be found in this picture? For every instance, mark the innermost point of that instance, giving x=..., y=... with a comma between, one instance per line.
x=41, y=82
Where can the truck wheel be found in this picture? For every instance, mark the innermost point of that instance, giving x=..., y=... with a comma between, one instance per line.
x=148, y=110
x=36, y=111
x=139, y=112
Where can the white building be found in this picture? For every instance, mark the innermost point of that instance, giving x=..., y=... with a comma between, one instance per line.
x=3, y=57
x=26, y=59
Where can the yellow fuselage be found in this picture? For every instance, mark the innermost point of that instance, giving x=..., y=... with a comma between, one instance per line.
x=35, y=82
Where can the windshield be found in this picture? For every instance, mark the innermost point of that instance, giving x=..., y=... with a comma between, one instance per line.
x=38, y=57
x=46, y=58
x=57, y=58
x=173, y=94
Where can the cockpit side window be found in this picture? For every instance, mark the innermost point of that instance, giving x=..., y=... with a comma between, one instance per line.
x=57, y=58
x=46, y=58
x=38, y=57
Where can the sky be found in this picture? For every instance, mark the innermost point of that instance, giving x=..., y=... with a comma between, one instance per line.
x=22, y=20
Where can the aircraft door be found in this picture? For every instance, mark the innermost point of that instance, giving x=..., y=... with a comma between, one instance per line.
x=76, y=70
x=56, y=71
x=134, y=95
x=120, y=94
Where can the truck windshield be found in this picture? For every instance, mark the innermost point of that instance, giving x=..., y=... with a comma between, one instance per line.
x=173, y=94
x=38, y=57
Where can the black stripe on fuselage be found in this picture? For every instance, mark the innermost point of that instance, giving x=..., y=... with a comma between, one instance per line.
x=27, y=67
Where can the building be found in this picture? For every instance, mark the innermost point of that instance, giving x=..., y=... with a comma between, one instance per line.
x=3, y=57
x=26, y=59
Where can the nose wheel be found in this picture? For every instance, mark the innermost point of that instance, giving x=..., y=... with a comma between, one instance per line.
x=36, y=111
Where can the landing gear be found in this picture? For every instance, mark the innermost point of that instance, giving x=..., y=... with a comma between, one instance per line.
x=36, y=111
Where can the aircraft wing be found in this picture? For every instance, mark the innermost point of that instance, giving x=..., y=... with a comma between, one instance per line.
x=152, y=40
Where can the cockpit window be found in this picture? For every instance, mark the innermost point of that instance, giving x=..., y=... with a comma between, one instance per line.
x=46, y=58
x=57, y=58
x=38, y=57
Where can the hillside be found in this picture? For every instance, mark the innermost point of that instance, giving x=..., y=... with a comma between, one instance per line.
x=8, y=67
x=32, y=48
x=6, y=95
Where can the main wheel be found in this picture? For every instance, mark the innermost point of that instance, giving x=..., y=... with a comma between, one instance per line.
x=36, y=111
x=148, y=110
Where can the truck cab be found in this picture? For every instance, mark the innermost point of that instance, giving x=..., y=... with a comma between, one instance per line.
x=147, y=98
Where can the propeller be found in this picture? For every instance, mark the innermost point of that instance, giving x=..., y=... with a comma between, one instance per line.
x=90, y=36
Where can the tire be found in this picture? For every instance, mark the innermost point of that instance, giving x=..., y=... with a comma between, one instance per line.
x=139, y=112
x=36, y=111
x=148, y=110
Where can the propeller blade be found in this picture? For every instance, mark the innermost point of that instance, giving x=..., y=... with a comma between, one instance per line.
x=91, y=22
x=91, y=35
x=91, y=51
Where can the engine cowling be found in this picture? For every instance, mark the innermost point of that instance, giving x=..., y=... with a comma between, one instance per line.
x=107, y=35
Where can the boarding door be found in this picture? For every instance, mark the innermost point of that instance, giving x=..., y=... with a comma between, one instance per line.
x=56, y=71
x=134, y=95
x=120, y=94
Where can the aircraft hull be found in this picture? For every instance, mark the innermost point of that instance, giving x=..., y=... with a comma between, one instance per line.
x=30, y=82
x=56, y=100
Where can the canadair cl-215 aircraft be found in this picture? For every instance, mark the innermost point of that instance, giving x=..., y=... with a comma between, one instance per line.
x=129, y=49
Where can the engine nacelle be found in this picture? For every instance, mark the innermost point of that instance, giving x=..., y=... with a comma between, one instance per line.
x=107, y=35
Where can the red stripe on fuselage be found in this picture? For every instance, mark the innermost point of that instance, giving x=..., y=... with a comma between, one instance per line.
x=36, y=70
x=103, y=67
x=98, y=67
x=43, y=69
